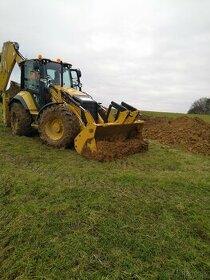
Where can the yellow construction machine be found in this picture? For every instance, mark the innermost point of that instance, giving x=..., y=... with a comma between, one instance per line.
x=50, y=98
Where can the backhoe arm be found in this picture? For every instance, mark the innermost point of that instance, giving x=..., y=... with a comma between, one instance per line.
x=8, y=57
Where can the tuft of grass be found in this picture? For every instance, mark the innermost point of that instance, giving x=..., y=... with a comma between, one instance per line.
x=65, y=217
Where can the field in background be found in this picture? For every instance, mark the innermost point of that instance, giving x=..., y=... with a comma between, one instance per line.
x=175, y=115
x=65, y=217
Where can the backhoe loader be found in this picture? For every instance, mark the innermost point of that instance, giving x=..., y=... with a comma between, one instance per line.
x=50, y=98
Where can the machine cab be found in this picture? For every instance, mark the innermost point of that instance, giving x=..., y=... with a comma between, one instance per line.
x=38, y=75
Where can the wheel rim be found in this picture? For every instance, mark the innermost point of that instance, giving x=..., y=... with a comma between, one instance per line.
x=54, y=129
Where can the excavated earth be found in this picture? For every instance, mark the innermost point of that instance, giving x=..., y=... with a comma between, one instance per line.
x=192, y=134
x=112, y=149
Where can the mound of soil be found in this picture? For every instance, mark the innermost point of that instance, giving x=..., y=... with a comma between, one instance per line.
x=117, y=148
x=192, y=134
x=13, y=89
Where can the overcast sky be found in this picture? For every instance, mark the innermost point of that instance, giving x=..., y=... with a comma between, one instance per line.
x=153, y=54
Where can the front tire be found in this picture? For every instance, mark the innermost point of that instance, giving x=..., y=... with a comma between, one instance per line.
x=20, y=120
x=58, y=126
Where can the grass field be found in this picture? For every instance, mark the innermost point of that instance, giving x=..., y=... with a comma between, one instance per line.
x=175, y=115
x=146, y=216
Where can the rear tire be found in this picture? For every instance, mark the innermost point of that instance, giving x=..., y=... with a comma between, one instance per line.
x=20, y=120
x=58, y=126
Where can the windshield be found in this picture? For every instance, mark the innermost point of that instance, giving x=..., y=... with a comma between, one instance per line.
x=53, y=72
x=70, y=76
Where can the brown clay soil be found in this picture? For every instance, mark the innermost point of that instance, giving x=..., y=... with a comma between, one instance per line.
x=192, y=134
x=13, y=89
x=116, y=148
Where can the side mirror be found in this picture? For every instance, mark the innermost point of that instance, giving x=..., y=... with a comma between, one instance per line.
x=43, y=81
x=79, y=73
x=47, y=81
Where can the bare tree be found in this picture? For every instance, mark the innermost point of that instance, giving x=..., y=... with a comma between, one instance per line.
x=200, y=106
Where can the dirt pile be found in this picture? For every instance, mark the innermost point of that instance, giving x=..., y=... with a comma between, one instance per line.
x=117, y=148
x=13, y=89
x=192, y=134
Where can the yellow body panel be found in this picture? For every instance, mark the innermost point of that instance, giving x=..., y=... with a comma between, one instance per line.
x=72, y=91
x=29, y=102
x=86, y=135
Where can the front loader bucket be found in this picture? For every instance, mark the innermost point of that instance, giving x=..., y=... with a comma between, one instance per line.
x=108, y=141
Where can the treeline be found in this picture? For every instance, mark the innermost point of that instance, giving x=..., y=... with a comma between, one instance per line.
x=200, y=106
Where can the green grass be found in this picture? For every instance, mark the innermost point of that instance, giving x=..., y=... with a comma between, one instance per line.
x=65, y=217
x=175, y=115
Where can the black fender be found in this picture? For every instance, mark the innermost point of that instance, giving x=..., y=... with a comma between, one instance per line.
x=19, y=99
x=46, y=106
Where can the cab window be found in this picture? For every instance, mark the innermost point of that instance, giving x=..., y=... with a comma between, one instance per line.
x=31, y=76
x=66, y=78
x=53, y=73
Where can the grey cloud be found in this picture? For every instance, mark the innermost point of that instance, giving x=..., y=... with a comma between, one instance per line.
x=153, y=54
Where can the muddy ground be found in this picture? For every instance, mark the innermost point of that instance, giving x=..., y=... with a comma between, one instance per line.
x=192, y=134
x=115, y=149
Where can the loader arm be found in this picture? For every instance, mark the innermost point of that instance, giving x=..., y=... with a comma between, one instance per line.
x=8, y=58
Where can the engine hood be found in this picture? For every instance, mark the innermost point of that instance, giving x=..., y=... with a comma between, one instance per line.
x=71, y=91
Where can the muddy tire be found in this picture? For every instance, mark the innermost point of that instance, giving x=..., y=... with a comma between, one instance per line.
x=58, y=126
x=20, y=120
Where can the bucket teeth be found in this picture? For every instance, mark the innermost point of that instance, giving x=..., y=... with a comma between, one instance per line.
x=124, y=113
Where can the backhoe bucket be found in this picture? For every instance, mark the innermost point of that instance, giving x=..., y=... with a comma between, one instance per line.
x=108, y=141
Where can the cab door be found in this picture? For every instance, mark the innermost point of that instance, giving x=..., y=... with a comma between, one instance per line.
x=30, y=81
